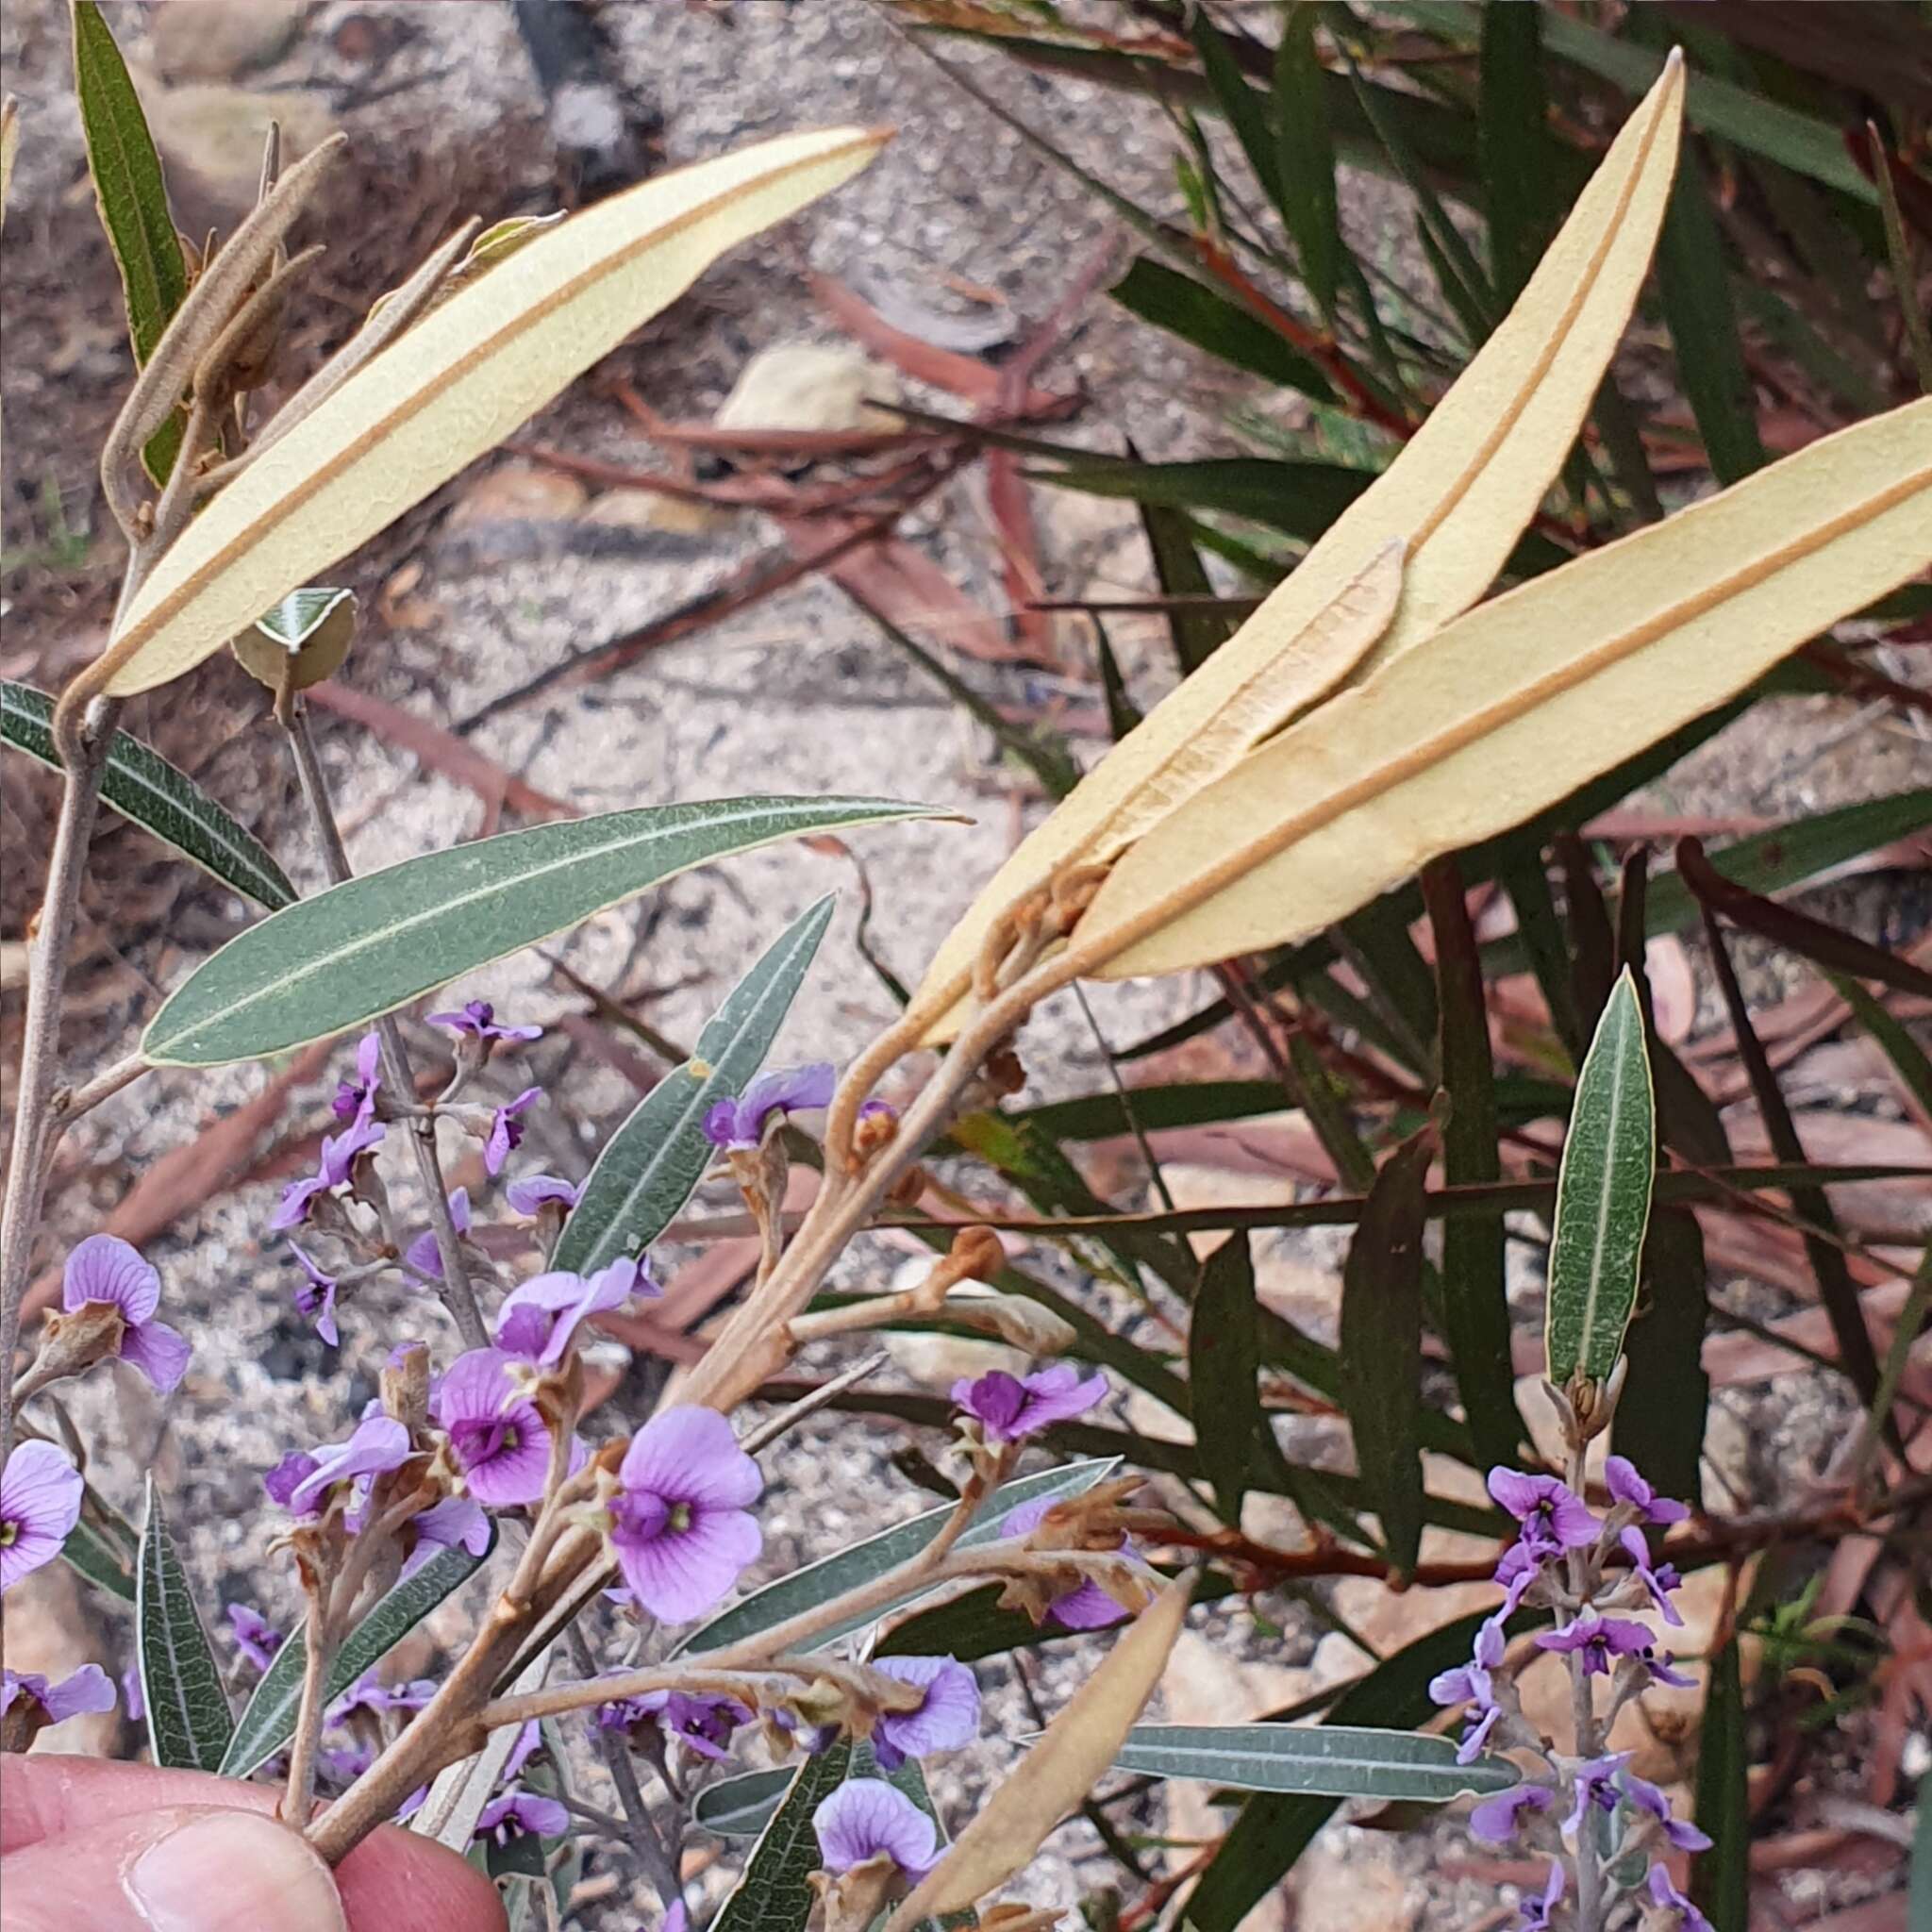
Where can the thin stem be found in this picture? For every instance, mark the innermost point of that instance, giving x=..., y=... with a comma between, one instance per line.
x=455, y=1289
x=70, y=1103
x=298, y=1800
x=639, y=1831
x=1590, y=1877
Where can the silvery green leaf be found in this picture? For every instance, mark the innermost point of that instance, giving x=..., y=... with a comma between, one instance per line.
x=188, y=1721
x=1603, y=1196
x=300, y=615
x=142, y=786
x=269, y=1721
x=1315, y=1760
x=861, y=1562
x=373, y=943
x=651, y=1164
x=774, y=1894
x=742, y=1807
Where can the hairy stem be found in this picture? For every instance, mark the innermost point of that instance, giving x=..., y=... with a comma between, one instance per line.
x=639, y=1831
x=1589, y=1876
x=298, y=1800
x=455, y=1289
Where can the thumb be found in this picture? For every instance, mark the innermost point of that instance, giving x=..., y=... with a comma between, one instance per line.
x=179, y=1869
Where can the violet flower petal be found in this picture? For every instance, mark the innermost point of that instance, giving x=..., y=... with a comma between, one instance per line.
x=866, y=1818
x=40, y=1503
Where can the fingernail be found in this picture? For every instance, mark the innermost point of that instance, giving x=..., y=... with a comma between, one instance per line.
x=235, y=1872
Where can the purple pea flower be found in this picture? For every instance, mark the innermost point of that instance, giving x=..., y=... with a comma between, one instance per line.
x=1474, y=1683
x=680, y=1522
x=355, y=1099
x=529, y=1194
x=315, y=1298
x=104, y=1268
x=1627, y=1486
x=338, y=1156
x=496, y=1437
x=741, y=1123
x=1645, y=1797
x=255, y=1637
x=521, y=1814
x=1659, y=1582
x=507, y=1130
x=1659, y=1664
x=1520, y=1567
x=379, y=1445
x=704, y=1724
x=529, y=1742
x=1088, y=1606
x=423, y=1255
x=1596, y=1789
x=456, y=1523
x=369, y=1693
x=132, y=1700
x=1666, y=1897
x=676, y=1919
x=1600, y=1640
x=1496, y=1819
x=866, y=1818
x=1536, y=1912
x=478, y=1020
x=538, y=1317
x=86, y=1690
x=1008, y=1408
x=947, y=1718
x=1552, y=1518
x=40, y=1502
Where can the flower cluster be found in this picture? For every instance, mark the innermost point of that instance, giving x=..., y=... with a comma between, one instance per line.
x=1587, y=1806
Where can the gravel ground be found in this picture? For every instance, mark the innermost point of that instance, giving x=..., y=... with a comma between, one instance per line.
x=798, y=695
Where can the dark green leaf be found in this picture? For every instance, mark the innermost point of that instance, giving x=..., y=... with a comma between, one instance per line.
x=775, y=1895
x=100, y=1561
x=1602, y=1197
x=133, y=202
x=1246, y=111
x=865, y=1562
x=1305, y=159
x=742, y=1807
x=1660, y=1414
x=1475, y=1302
x=1123, y=715
x=144, y=787
x=1694, y=283
x=269, y=1721
x=1721, y=1879
x=1188, y=309
x=1904, y=1052
x=1224, y=1360
x=1382, y=1347
x=1514, y=142
x=651, y=1164
x=1539, y=935
x=1320, y=1761
x=1177, y=567
x=522, y=1857
x=1375, y=941
x=372, y=944
x=188, y=1721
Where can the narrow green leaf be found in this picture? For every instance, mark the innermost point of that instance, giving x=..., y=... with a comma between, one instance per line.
x=97, y=1559
x=1540, y=934
x=863, y=1563
x=372, y=944
x=1245, y=110
x=188, y=1721
x=1721, y=1879
x=144, y=787
x=1475, y=1302
x=1907, y=1056
x=133, y=202
x=1177, y=567
x=775, y=1895
x=1123, y=715
x=650, y=1166
x=1223, y=1361
x=1188, y=309
x=1602, y=1197
x=1305, y=159
x=1382, y=1347
x=1661, y=1415
x=300, y=615
x=1693, y=282
x=1514, y=143
x=1898, y=252
x=269, y=1719
x=742, y=1807
x=1273, y=1829
x=1810, y=1205
x=1376, y=940
x=1320, y=1761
